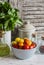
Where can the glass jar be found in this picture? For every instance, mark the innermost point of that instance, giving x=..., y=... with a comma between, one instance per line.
x=34, y=37
x=4, y=48
x=38, y=42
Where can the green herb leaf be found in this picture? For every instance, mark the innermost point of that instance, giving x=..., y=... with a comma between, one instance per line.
x=9, y=17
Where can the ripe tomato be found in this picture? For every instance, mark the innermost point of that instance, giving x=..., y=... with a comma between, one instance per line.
x=14, y=42
x=17, y=39
x=25, y=46
x=21, y=40
x=33, y=45
x=27, y=41
x=20, y=44
x=20, y=47
x=15, y=46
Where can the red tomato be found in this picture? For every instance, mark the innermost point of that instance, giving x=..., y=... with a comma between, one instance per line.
x=25, y=46
x=15, y=46
x=33, y=45
x=26, y=41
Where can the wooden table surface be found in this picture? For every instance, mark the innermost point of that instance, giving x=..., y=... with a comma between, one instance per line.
x=37, y=59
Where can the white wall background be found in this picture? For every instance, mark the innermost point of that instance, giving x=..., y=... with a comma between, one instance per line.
x=32, y=11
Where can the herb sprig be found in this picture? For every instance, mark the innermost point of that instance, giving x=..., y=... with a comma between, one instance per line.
x=9, y=17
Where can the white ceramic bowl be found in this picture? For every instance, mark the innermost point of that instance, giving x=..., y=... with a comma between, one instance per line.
x=23, y=54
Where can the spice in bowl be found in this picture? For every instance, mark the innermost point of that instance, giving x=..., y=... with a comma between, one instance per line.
x=41, y=48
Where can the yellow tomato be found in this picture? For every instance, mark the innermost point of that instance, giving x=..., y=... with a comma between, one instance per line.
x=20, y=44
x=21, y=40
x=17, y=39
x=14, y=42
x=30, y=42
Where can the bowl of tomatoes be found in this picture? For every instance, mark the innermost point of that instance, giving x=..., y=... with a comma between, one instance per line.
x=23, y=48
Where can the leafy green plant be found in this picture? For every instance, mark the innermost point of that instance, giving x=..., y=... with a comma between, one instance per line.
x=9, y=17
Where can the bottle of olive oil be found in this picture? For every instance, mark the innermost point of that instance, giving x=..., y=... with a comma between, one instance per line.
x=4, y=48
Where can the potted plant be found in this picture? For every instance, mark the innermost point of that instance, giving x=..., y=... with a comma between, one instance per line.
x=9, y=18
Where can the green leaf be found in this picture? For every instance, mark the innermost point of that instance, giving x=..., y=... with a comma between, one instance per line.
x=6, y=24
x=9, y=17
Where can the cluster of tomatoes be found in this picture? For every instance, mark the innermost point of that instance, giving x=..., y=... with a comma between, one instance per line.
x=25, y=43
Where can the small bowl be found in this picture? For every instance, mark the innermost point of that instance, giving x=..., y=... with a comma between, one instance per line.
x=23, y=54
